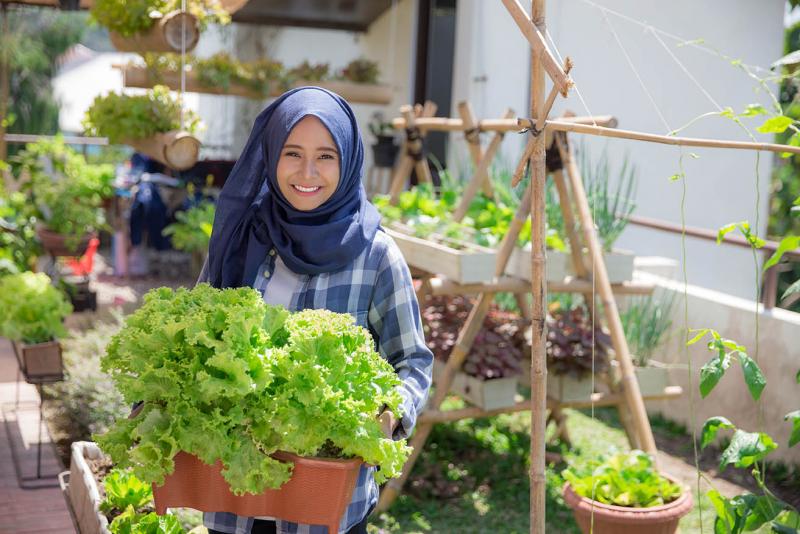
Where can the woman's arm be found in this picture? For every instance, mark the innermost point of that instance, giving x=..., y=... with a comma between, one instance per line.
x=395, y=320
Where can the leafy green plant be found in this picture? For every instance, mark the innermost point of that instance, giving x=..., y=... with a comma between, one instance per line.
x=18, y=244
x=570, y=338
x=361, y=70
x=379, y=126
x=131, y=17
x=645, y=321
x=130, y=522
x=610, y=209
x=309, y=72
x=123, y=489
x=66, y=191
x=123, y=117
x=193, y=230
x=727, y=351
x=623, y=479
x=226, y=377
x=31, y=309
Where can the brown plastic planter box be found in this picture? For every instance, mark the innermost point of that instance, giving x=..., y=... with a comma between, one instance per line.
x=55, y=244
x=40, y=362
x=317, y=494
x=609, y=519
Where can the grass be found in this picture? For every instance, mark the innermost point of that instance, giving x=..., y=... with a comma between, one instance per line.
x=472, y=476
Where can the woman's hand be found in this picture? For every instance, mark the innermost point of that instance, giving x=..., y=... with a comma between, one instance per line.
x=388, y=422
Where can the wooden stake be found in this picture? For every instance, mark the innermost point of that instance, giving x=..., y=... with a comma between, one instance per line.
x=481, y=173
x=445, y=124
x=564, y=126
x=176, y=150
x=402, y=169
x=4, y=88
x=539, y=47
x=472, y=136
x=633, y=397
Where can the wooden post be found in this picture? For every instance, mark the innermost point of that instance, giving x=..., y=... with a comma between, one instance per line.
x=481, y=173
x=472, y=136
x=177, y=150
x=630, y=386
x=403, y=168
x=166, y=35
x=538, y=286
x=4, y=86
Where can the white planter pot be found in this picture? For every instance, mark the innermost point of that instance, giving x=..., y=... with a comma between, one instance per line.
x=653, y=379
x=84, y=495
x=486, y=394
x=619, y=265
x=566, y=388
x=556, y=267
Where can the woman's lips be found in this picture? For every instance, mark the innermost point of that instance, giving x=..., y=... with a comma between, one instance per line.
x=306, y=191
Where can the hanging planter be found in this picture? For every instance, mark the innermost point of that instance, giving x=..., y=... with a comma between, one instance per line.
x=327, y=483
x=166, y=35
x=176, y=149
x=355, y=92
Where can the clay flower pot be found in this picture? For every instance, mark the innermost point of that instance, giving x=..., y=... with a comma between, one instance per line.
x=317, y=494
x=609, y=519
x=55, y=244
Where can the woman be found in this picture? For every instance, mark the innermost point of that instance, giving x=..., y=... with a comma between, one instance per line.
x=293, y=222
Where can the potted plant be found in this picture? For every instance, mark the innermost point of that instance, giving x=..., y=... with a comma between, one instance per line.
x=646, y=320
x=18, y=244
x=150, y=123
x=32, y=313
x=624, y=494
x=384, y=150
x=488, y=377
x=570, y=361
x=157, y=25
x=361, y=70
x=254, y=400
x=67, y=194
x=192, y=232
x=611, y=209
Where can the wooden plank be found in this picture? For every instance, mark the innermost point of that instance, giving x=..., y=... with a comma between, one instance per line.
x=444, y=286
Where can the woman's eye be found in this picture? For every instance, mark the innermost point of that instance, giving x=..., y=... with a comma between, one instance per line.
x=327, y=156
x=291, y=154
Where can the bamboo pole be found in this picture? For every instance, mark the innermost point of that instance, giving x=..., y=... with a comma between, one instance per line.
x=564, y=126
x=4, y=87
x=538, y=45
x=509, y=284
x=539, y=62
x=472, y=136
x=445, y=124
x=402, y=170
x=630, y=386
x=175, y=149
x=481, y=173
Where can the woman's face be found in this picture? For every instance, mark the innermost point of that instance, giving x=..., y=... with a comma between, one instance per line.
x=308, y=167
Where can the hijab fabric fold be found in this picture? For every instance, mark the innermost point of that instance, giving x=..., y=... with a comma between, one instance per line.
x=253, y=216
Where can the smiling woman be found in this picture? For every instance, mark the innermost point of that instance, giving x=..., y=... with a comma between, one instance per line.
x=308, y=168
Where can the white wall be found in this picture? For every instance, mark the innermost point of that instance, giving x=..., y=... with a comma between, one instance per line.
x=721, y=183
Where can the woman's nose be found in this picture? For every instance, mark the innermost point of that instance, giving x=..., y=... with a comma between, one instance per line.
x=310, y=168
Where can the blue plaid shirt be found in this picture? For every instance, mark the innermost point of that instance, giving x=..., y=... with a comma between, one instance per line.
x=378, y=291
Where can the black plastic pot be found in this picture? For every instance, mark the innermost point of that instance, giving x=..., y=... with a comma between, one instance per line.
x=384, y=151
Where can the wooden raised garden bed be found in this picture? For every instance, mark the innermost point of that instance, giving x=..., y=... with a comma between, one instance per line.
x=82, y=491
x=40, y=362
x=352, y=92
x=619, y=265
x=466, y=264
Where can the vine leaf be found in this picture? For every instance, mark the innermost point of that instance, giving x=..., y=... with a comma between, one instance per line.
x=794, y=417
x=701, y=333
x=794, y=288
x=787, y=243
x=777, y=124
x=727, y=519
x=753, y=110
x=753, y=376
x=746, y=448
x=711, y=373
x=725, y=230
x=711, y=427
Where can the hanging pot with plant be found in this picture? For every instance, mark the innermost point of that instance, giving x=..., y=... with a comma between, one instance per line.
x=151, y=123
x=32, y=313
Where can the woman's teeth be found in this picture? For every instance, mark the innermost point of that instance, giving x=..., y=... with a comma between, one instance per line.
x=306, y=189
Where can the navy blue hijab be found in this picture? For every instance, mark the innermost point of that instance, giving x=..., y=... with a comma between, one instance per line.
x=253, y=216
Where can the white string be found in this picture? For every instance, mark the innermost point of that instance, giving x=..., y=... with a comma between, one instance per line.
x=575, y=84
x=183, y=57
x=636, y=73
x=393, y=44
x=686, y=42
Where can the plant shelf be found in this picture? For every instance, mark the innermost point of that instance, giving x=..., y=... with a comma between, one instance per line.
x=487, y=394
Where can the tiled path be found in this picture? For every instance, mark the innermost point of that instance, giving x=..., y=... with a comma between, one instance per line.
x=40, y=509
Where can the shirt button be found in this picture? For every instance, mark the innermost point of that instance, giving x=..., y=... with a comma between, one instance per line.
x=266, y=274
x=272, y=252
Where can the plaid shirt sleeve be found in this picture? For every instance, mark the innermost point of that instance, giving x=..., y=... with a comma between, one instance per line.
x=395, y=318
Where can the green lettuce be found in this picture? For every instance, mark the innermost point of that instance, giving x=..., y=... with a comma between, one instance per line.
x=225, y=376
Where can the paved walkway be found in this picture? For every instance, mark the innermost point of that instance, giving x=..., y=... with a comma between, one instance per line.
x=41, y=508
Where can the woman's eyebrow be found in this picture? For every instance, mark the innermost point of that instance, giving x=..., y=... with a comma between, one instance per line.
x=322, y=148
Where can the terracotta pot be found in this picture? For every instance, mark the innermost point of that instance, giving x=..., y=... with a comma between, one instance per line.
x=40, y=362
x=54, y=244
x=317, y=494
x=609, y=519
